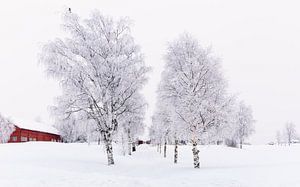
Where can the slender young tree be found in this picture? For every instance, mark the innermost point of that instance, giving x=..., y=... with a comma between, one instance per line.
x=133, y=120
x=99, y=67
x=290, y=132
x=278, y=137
x=224, y=119
x=163, y=121
x=170, y=126
x=193, y=81
x=6, y=129
x=155, y=133
x=244, y=123
x=178, y=133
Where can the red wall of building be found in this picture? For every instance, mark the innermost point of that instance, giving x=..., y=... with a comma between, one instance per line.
x=24, y=135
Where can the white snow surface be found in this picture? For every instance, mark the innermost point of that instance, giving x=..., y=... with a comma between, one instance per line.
x=33, y=125
x=57, y=164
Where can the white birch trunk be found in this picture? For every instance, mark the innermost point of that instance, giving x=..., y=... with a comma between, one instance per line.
x=129, y=143
x=133, y=146
x=109, y=150
x=241, y=144
x=123, y=145
x=160, y=148
x=176, y=152
x=195, y=155
x=165, y=149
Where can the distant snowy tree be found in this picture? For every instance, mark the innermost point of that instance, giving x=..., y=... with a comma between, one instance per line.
x=290, y=132
x=193, y=80
x=278, y=137
x=163, y=121
x=178, y=132
x=99, y=67
x=155, y=133
x=68, y=130
x=75, y=128
x=244, y=126
x=132, y=121
x=224, y=121
x=6, y=129
x=168, y=124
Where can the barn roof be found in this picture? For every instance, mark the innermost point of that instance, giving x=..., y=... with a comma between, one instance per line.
x=35, y=126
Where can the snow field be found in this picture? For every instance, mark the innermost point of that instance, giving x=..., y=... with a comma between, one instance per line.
x=57, y=164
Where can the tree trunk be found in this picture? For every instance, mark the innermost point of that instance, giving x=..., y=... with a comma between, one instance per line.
x=196, y=155
x=109, y=150
x=89, y=141
x=165, y=149
x=241, y=144
x=133, y=146
x=123, y=145
x=129, y=148
x=129, y=143
x=176, y=152
x=157, y=147
x=160, y=148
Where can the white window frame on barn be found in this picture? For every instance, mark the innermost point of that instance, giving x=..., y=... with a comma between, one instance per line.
x=14, y=138
x=24, y=139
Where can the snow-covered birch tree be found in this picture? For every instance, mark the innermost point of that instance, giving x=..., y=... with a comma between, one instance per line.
x=177, y=132
x=244, y=123
x=155, y=133
x=75, y=128
x=162, y=119
x=6, y=129
x=192, y=79
x=99, y=67
x=278, y=137
x=167, y=126
x=290, y=132
x=133, y=121
x=224, y=119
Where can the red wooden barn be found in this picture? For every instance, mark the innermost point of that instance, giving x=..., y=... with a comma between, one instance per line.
x=33, y=131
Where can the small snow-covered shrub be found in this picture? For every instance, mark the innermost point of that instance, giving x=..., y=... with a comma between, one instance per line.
x=6, y=129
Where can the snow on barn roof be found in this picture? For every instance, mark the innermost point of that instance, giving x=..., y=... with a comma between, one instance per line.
x=36, y=126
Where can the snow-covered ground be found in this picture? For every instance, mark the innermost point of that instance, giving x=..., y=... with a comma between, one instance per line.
x=57, y=164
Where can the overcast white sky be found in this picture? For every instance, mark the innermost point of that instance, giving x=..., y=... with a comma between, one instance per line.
x=258, y=41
